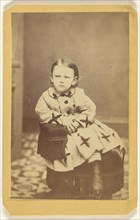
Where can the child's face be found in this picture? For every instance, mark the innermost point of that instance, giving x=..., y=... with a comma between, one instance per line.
x=62, y=78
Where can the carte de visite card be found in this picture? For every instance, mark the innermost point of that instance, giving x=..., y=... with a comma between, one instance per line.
x=70, y=82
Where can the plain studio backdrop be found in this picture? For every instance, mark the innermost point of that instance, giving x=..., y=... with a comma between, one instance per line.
x=96, y=42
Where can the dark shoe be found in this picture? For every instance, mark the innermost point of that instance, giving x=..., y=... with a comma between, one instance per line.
x=96, y=180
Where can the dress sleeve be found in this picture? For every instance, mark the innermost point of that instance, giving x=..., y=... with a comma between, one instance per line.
x=87, y=111
x=45, y=113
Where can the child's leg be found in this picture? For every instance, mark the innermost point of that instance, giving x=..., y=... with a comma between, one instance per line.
x=112, y=171
x=107, y=173
x=96, y=183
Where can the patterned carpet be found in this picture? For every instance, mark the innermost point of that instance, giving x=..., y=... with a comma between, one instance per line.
x=28, y=174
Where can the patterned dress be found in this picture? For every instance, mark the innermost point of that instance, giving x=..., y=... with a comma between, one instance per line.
x=92, y=137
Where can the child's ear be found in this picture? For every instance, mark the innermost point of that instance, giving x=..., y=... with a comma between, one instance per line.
x=75, y=81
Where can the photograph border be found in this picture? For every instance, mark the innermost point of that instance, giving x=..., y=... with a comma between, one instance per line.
x=70, y=207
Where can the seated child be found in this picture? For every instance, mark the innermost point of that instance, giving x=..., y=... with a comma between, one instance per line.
x=66, y=112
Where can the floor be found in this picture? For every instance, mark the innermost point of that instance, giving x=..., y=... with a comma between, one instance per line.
x=29, y=172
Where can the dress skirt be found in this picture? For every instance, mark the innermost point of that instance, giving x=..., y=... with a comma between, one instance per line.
x=64, y=152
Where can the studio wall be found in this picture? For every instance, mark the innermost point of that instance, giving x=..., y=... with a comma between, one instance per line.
x=96, y=42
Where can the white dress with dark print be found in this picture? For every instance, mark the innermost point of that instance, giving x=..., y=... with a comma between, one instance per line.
x=92, y=137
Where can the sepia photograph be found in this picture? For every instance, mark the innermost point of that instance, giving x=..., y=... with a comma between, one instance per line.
x=70, y=105
x=72, y=109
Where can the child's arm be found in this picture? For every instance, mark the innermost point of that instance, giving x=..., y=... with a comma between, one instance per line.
x=45, y=114
x=87, y=110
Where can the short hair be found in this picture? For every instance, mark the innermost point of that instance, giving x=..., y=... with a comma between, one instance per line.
x=68, y=63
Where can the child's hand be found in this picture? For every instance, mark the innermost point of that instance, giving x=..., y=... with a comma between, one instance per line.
x=70, y=124
x=75, y=124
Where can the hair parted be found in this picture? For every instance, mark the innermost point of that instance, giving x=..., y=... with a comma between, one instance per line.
x=68, y=63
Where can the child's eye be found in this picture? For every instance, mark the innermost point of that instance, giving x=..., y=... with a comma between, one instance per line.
x=67, y=77
x=57, y=75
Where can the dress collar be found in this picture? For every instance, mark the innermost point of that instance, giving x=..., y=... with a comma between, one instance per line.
x=54, y=95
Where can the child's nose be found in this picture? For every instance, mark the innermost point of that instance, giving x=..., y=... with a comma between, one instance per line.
x=62, y=79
